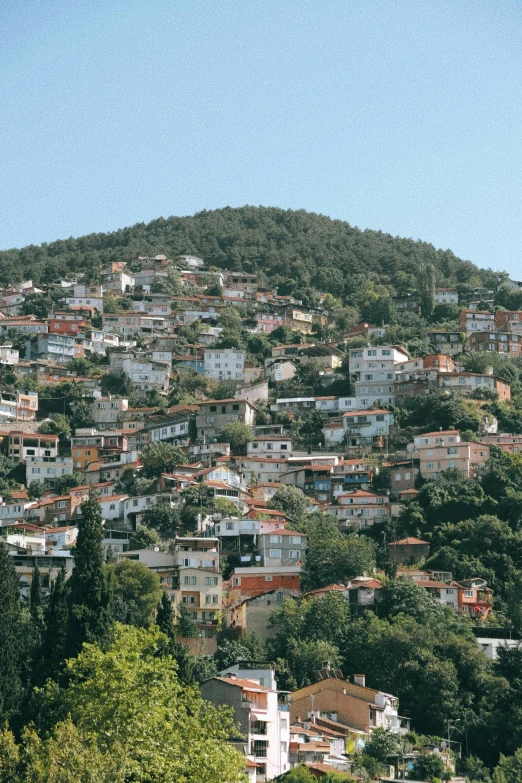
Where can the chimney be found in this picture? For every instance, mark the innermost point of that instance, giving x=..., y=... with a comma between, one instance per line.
x=360, y=679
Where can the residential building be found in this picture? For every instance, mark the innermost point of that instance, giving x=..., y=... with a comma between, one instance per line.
x=213, y=415
x=445, y=451
x=502, y=343
x=224, y=364
x=270, y=446
x=263, y=722
x=361, y=509
x=409, y=551
x=147, y=375
x=18, y=406
x=191, y=576
x=352, y=704
x=47, y=469
x=446, y=296
x=281, y=547
x=469, y=383
x=107, y=410
x=446, y=341
x=255, y=580
x=476, y=321
x=9, y=355
x=21, y=445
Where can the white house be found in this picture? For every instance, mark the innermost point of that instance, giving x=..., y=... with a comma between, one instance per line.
x=225, y=364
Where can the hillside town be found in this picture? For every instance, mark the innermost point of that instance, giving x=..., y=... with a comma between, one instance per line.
x=217, y=424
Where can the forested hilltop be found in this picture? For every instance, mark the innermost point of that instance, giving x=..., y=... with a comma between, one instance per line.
x=293, y=249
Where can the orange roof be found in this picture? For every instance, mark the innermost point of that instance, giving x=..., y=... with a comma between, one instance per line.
x=408, y=541
x=248, y=685
x=365, y=413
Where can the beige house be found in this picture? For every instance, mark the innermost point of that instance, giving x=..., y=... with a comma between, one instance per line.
x=351, y=703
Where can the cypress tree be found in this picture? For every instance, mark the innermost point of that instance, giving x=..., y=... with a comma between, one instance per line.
x=11, y=689
x=164, y=616
x=35, y=596
x=89, y=596
x=56, y=627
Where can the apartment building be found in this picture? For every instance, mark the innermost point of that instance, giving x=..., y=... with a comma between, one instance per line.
x=301, y=321
x=9, y=355
x=214, y=414
x=267, y=322
x=56, y=347
x=147, y=375
x=472, y=321
x=109, y=410
x=361, y=509
x=270, y=446
x=446, y=296
x=254, y=580
x=506, y=442
x=24, y=324
x=445, y=451
x=373, y=373
x=366, y=427
x=21, y=445
x=47, y=469
x=446, y=341
x=502, y=343
x=86, y=296
x=261, y=713
x=508, y=321
x=281, y=548
x=224, y=365
x=126, y=323
x=191, y=576
x=18, y=406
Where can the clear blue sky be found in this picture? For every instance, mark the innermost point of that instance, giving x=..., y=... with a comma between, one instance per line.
x=398, y=115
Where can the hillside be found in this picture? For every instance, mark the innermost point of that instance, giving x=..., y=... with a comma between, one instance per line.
x=312, y=250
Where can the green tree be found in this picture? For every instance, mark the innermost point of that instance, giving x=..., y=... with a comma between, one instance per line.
x=226, y=507
x=382, y=745
x=238, y=435
x=136, y=592
x=158, y=458
x=118, y=713
x=89, y=596
x=143, y=538
x=224, y=390
x=11, y=686
x=290, y=500
x=430, y=766
x=164, y=616
x=35, y=596
x=186, y=625
x=509, y=768
x=56, y=626
x=162, y=518
x=426, y=281
x=58, y=425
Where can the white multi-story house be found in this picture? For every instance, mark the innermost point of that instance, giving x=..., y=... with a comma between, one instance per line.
x=146, y=375
x=358, y=428
x=446, y=296
x=109, y=409
x=270, y=446
x=373, y=372
x=86, y=296
x=48, y=469
x=225, y=364
x=264, y=722
x=361, y=508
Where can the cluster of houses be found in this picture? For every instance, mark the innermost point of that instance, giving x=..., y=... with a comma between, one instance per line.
x=355, y=475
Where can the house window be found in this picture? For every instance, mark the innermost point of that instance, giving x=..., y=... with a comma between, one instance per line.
x=268, y=578
x=468, y=593
x=275, y=539
x=294, y=554
x=275, y=553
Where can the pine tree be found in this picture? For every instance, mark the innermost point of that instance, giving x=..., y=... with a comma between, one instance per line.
x=164, y=616
x=56, y=627
x=11, y=689
x=89, y=597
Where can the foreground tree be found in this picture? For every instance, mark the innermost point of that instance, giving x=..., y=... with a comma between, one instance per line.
x=136, y=591
x=11, y=688
x=89, y=593
x=124, y=716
